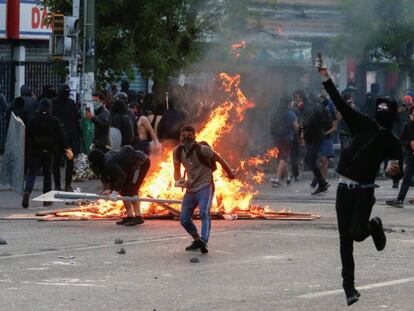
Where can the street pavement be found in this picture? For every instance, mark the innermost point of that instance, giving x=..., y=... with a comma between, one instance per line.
x=251, y=265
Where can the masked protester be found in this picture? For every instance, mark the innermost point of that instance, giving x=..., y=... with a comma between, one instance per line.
x=64, y=108
x=371, y=143
x=199, y=161
x=123, y=172
x=101, y=118
x=45, y=134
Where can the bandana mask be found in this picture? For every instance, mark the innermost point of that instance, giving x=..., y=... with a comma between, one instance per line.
x=187, y=143
x=385, y=112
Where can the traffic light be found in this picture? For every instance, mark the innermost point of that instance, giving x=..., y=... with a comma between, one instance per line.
x=65, y=31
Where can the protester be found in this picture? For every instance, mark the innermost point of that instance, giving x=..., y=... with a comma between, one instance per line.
x=45, y=134
x=48, y=91
x=199, y=161
x=30, y=102
x=330, y=126
x=407, y=141
x=102, y=121
x=371, y=143
x=121, y=120
x=283, y=125
x=343, y=129
x=123, y=171
x=64, y=108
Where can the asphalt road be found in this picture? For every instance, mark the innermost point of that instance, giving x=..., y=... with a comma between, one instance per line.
x=252, y=265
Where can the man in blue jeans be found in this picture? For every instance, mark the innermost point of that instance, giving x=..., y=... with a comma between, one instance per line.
x=199, y=161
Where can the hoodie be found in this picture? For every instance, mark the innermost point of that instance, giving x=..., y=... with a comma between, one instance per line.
x=30, y=103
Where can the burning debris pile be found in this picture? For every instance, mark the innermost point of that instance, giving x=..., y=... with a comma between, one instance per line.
x=232, y=197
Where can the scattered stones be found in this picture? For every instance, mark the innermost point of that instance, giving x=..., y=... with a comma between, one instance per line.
x=118, y=241
x=389, y=230
x=155, y=278
x=289, y=259
x=3, y=241
x=195, y=260
x=121, y=251
x=403, y=230
x=67, y=257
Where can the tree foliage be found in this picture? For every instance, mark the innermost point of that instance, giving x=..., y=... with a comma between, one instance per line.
x=380, y=29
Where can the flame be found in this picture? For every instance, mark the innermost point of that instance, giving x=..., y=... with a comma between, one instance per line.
x=239, y=45
x=230, y=195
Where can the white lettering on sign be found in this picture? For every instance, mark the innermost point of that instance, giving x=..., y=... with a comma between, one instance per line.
x=34, y=21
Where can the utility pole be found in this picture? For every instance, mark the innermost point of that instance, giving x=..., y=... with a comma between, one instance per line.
x=88, y=74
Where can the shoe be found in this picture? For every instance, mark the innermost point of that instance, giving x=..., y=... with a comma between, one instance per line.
x=47, y=203
x=288, y=181
x=395, y=185
x=352, y=296
x=395, y=203
x=321, y=189
x=133, y=221
x=276, y=184
x=378, y=234
x=194, y=246
x=203, y=247
x=68, y=189
x=58, y=188
x=314, y=183
x=273, y=179
x=123, y=220
x=25, y=200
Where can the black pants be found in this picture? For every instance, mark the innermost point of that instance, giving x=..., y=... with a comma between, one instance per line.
x=353, y=210
x=57, y=160
x=294, y=157
x=408, y=175
x=312, y=152
x=135, y=178
x=39, y=160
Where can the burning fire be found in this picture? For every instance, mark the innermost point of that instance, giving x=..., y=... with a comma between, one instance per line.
x=231, y=195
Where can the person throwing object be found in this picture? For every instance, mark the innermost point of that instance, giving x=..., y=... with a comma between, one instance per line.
x=371, y=143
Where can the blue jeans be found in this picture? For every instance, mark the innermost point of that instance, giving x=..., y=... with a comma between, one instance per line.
x=203, y=199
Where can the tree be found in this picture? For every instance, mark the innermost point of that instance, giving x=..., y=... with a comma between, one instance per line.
x=381, y=29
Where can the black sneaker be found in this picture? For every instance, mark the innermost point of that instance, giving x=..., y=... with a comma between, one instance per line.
x=321, y=189
x=123, y=221
x=25, y=200
x=395, y=203
x=314, y=183
x=203, y=247
x=133, y=221
x=378, y=234
x=352, y=296
x=193, y=247
x=288, y=181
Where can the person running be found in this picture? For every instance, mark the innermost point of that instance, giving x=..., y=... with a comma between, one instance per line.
x=122, y=171
x=284, y=124
x=407, y=141
x=199, y=161
x=371, y=143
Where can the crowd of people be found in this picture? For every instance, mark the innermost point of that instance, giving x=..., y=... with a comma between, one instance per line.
x=307, y=127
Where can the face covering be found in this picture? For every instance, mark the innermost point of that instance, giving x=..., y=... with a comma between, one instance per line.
x=386, y=109
x=96, y=105
x=187, y=143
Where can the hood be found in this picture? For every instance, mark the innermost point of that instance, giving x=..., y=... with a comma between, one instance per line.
x=119, y=106
x=386, y=110
x=64, y=92
x=25, y=90
x=45, y=105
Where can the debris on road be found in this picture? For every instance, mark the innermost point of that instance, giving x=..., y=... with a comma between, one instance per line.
x=67, y=257
x=195, y=260
x=118, y=241
x=121, y=251
x=3, y=241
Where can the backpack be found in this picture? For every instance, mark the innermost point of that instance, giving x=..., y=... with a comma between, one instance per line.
x=210, y=163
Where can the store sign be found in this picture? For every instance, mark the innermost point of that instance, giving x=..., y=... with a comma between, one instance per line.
x=2, y=19
x=34, y=21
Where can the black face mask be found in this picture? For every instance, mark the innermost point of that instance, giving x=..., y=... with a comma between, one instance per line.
x=187, y=143
x=386, y=109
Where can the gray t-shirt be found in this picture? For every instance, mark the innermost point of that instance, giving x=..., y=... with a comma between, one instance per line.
x=199, y=176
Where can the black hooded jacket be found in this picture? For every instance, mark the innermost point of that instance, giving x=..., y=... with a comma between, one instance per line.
x=64, y=108
x=370, y=144
x=121, y=120
x=45, y=132
x=30, y=103
x=102, y=122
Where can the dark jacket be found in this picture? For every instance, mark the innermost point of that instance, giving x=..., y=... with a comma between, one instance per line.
x=65, y=110
x=45, y=132
x=120, y=163
x=370, y=144
x=102, y=122
x=121, y=120
x=30, y=103
x=407, y=135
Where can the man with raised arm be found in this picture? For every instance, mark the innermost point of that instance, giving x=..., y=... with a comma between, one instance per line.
x=371, y=143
